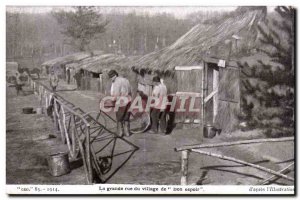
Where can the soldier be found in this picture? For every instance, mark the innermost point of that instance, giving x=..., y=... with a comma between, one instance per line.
x=120, y=87
x=158, y=114
x=53, y=79
x=19, y=84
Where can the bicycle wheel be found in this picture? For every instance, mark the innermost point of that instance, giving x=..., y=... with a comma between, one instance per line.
x=139, y=122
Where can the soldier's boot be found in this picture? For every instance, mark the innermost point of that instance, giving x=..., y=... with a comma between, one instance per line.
x=127, y=128
x=120, y=129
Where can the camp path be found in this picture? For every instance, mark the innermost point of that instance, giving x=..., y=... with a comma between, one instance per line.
x=156, y=162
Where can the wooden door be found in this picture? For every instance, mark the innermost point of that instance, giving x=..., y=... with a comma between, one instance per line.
x=228, y=98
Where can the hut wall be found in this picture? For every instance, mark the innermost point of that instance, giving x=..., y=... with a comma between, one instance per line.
x=86, y=81
x=171, y=83
x=190, y=81
x=83, y=85
x=94, y=84
x=106, y=85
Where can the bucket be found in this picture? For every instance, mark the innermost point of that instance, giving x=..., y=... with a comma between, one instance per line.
x=209, y=131
x=58, y=164
x=28, y=110
x=39, y=111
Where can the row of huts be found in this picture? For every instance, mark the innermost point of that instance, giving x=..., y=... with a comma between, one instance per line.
x=202, y=63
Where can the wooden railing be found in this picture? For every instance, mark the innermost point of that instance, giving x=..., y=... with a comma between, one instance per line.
x=186, y=150
x=72, y=125
x=86, y=135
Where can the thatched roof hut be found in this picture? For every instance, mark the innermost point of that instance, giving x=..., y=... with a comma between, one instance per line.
x=225, y=38
x=94, y=67
x=61, y=63
x=77, y=65
x=203, y=63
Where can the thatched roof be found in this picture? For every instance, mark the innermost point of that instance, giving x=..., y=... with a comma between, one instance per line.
x=212, y=40
x=72, y=58
x=105, y=62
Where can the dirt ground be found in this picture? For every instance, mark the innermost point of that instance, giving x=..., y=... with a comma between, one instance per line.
x=155, y=162
x=29, y=140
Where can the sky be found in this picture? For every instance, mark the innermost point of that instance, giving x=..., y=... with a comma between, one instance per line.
x=179, y=12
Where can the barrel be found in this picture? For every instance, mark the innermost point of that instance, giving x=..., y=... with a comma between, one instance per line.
x=28, y=110
x=58, y=164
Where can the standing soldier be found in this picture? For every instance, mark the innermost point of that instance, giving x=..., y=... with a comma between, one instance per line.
x=53, y=79
x=120, y=87
x=158, y=113
x=18, y=84
x=68, y=75
x=77, y=78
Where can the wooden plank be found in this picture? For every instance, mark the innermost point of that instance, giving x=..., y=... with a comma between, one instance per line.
x=242, y=162
x=66, y=132
x=215, y=98
x=194, y=94
x=88, y=154
x=187, y=68
x=212, y=94
x=229, y=100
x=58, y=117
x=225, y=144
x=274, y=176
x=83, y=155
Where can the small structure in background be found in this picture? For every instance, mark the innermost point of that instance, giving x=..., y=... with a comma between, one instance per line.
x=59, y=64
x=11, y=70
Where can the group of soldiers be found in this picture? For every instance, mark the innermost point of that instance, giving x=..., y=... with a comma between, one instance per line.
x=120, y=86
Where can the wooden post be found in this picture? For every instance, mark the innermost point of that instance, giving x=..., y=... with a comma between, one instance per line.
x=33, y=87
x=66, y=132
x=46, y=99
x=88, y=154
x=101, y=83
x=82, y=152
x=184, y=167
x=63, y=138
x=204, y=93
x=55, y=118
x=72, y=123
